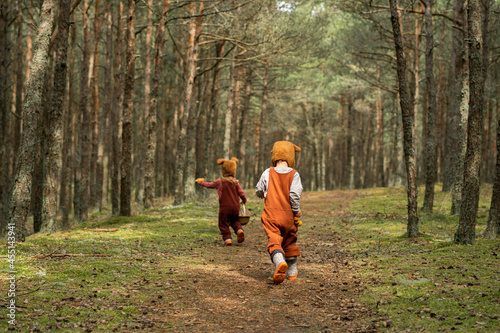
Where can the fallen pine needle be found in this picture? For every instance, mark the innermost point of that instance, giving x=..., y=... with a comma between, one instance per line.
x=73, y=255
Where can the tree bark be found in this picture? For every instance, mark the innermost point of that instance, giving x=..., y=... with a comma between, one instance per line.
x=128, y=105
x=493, y=227
x=466, y=232
x=453, y=133
x=21, y=194
x=231, y=105
x=430, y=143
x=151, y=123
x=263, y=116
x=4, y=112
x=379, y=143
x=83, y=170
x=190, y=110
x=95, y=200
x=115, y=115
x=67, y=153
x=181, y=175
x=409, y=151
x=52, y=161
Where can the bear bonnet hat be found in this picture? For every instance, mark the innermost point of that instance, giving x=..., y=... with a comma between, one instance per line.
x=285, y=151
x=228, y=167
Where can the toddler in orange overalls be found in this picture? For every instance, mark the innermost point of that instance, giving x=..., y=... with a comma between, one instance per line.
x=281, y=187
x=229, y=191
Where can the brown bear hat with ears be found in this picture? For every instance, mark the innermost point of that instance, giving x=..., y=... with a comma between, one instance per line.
x=228, y=167
x=285, y=151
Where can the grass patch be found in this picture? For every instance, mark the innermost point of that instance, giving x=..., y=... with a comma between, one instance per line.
x=427, y=284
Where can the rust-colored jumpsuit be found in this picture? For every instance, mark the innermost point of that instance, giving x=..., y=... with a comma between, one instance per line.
x=277, y=217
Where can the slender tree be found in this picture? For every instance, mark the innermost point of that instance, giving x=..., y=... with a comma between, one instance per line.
x=430, y=142
x=21, y=194
x=128, y=104
x=404, y=99
x=152, y=115
x=466, y=232
x=52, y=161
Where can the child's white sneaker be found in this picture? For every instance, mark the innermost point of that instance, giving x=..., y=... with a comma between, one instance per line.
x=281, y=268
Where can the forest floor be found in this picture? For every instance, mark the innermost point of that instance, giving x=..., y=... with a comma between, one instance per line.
x=164, y=270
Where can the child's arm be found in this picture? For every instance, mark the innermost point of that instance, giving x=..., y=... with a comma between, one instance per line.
x=295, y=193
x=241, y=194
x=202, y=182
x=261, y=187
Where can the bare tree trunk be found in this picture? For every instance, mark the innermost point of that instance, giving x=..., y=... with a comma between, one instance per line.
x=19, y=86
x=409, y=151
x=182, y=146
x=263, y=125
x=151, y=123
x=52, y=161
x=4, y=112
x=65, y=195
x=190, y=110
x=106, y=111
x=430, y=143
x=452, y=148
x=457, y=185
x=21, y=194
x=379, y=143
x=128, y=105
x=94, y=200
x=83, y=169
x=493, y=228
x=466, y=232
x=115, y=115
x=231, y=105
x=213, y=113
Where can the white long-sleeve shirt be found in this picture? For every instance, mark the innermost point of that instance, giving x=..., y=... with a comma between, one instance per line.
x=295, y=187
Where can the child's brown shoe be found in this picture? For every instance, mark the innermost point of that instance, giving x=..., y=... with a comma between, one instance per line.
x=228, y=242
x=241, y=236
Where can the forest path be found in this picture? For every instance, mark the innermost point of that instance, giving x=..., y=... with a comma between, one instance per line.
x=233, y=290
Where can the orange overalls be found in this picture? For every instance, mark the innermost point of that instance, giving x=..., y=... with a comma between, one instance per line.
x=277, y=217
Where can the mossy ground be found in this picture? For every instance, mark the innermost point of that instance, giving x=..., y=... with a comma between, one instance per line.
x=165, y=270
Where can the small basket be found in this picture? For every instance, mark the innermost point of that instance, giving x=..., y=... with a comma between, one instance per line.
x=244, y=215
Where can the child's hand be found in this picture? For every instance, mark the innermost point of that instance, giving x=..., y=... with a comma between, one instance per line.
x=297, y=214
x=198, y=180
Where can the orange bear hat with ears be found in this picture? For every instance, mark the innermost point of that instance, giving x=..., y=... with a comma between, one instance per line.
x=285, y=151
x=228, y=167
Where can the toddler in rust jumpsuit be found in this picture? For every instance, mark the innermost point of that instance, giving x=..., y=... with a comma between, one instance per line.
x=229, y=191
x=281, y=187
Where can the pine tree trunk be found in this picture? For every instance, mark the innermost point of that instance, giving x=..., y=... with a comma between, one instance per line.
x=115, y=115
x=181, y=176
x=19, y=86
x=191, y=110
x=213, y=114
x=52, y=161
x=409, y=151
x=230, y=108
x=379, y=144
x=466, y=232
x=493, y=228
x=106, y=111
x=151, y=122
x=430, y=143
x=94, y=200
x=21, y=194
x=4, y=111
x=453, y=133
x=263, y=125
x=128, y=105
x=83, y=169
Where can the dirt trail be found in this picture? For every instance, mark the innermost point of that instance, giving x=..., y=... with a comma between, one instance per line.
x=234, y=292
